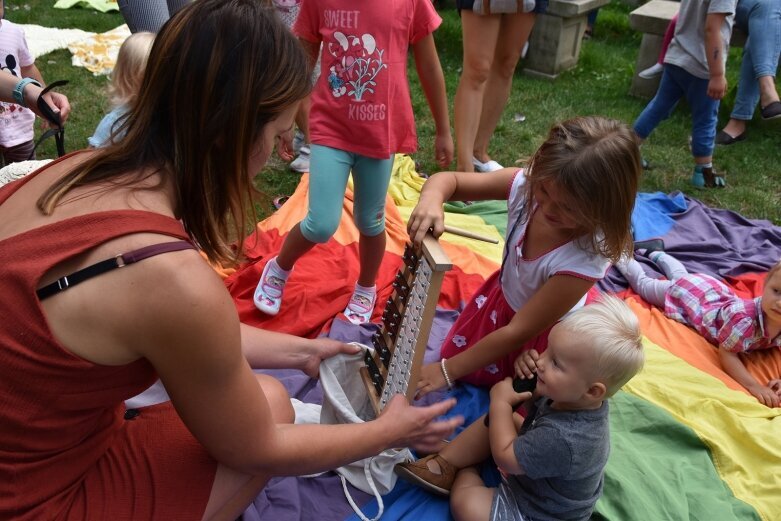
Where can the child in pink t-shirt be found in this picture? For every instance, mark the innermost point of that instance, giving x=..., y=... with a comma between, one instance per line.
x=361, y=115
x=16, y=122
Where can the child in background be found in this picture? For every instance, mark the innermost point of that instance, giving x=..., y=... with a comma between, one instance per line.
x=17, y=136
x=288, y=12
x=694, y=67
x=657, y=68
x=125, y=83
x=361, y=115
x=553, y=462
x=568, y=219
x=708, y=306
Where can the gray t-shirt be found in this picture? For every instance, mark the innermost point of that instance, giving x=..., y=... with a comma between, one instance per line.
x=687, y=48
x=563, y=455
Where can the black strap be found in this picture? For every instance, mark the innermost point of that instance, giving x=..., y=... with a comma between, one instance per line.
x=121, y=260
x=53, y=118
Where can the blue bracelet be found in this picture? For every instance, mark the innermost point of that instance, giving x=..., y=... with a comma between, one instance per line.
x=19, y=90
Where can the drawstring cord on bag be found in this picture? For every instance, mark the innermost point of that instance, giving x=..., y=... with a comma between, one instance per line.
x=373, y=487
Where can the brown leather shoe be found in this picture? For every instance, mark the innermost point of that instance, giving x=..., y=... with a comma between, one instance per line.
x=418, y=473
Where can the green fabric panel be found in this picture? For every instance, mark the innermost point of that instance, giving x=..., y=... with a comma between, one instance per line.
x=492, y=212
x=660, y=470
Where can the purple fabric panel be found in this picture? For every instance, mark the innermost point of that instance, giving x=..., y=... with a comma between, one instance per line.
x=322, y=498
x=721, y=243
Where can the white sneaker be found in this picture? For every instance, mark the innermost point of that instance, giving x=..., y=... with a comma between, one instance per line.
x=298, y=141
x=651, y=72
x=301, y=163
x=359, y=309
x=268, y=293
x=488, y=166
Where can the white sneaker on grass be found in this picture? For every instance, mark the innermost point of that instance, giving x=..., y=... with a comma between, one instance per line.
x=651, y=72
x=301, y=163
x=488, y=166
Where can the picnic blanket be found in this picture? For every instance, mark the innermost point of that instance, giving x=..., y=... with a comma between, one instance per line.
x=687, y=442
x=103, y=6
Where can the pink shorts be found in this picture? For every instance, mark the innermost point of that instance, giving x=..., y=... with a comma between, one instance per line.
x=486, y=312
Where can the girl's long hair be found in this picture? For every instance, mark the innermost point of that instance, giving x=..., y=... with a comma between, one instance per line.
x=595, y=162
x=218, y=73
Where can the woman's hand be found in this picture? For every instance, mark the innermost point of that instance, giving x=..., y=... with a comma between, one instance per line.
x=320, y=349
x=431, y=379
x=427, y=215
x=418, y=427
x=526, y=364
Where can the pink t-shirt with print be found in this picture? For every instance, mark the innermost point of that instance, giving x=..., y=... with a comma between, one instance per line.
x=361, y=103
x=16, y=122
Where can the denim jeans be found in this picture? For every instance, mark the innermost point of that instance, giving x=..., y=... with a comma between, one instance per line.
x=677, y=83
x=761, y=19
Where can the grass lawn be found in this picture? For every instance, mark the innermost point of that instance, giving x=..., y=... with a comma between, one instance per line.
x=598, y=85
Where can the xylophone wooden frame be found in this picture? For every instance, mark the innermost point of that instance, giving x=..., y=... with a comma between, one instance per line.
x=377, y=361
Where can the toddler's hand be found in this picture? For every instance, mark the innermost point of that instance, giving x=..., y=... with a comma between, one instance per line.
x=503, y=392
x=765, y=395
x=526, y=363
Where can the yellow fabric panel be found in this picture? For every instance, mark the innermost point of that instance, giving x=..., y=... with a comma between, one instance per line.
x=744, y=436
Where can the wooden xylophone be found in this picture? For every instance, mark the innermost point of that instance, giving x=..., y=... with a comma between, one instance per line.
x=394, y=365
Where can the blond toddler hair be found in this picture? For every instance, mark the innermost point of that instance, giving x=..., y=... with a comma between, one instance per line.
x=129, y=69
x=611, y=330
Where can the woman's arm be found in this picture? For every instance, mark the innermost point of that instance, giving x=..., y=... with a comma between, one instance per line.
x=266, y=349
x=734, y=367
x=454, y=186
x=555, y=298
x=192, y=337
x=433, y=82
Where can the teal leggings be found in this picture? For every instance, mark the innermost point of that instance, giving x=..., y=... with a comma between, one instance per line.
x=329, y=171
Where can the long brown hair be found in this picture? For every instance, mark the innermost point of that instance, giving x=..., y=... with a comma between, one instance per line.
x=596, y=163
x=218, y=72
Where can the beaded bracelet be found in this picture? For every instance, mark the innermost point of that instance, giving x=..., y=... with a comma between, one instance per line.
x=444, y=373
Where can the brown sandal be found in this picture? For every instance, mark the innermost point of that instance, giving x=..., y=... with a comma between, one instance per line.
x=418, y=473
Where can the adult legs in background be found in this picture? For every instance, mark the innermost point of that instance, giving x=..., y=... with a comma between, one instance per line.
x=761, y=19
x=148, y=15
x=514, y=32
x=480, y=35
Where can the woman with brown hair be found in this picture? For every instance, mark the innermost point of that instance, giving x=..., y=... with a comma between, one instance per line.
x=78, y=337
